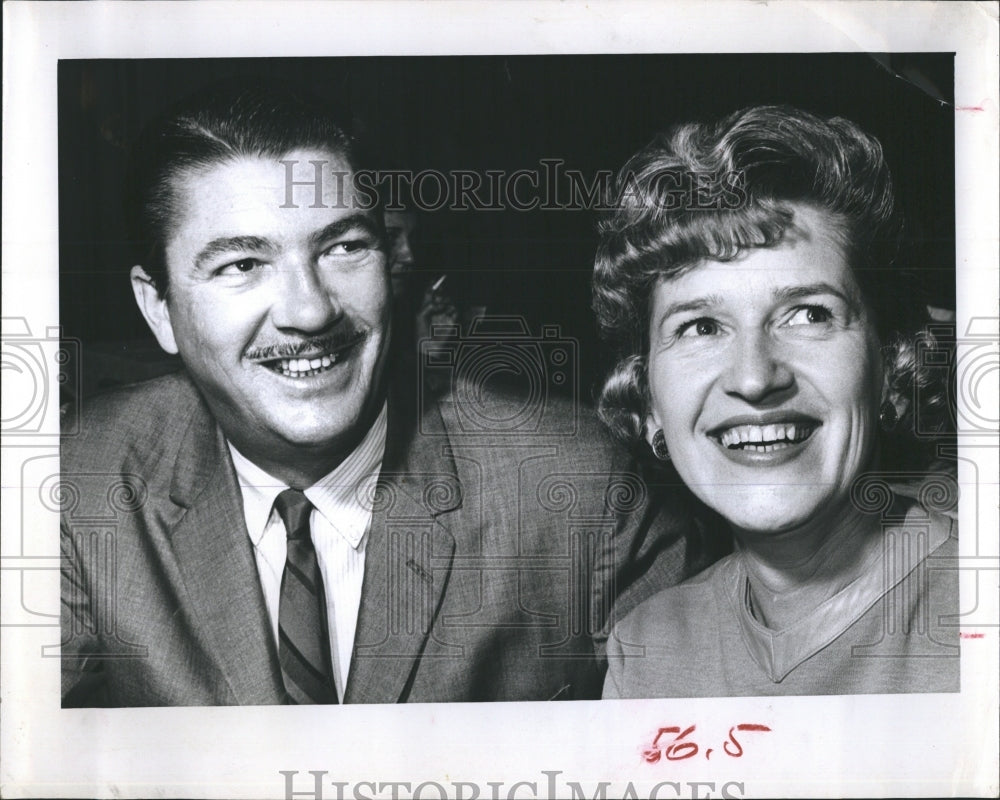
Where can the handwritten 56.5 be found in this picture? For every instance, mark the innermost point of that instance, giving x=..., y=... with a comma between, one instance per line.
x=673, y=744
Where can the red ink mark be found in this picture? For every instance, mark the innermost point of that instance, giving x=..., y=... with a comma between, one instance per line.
x=972, y=635
x=737, y=752
x=677, y=749
x=969, y=108
x=680, y=750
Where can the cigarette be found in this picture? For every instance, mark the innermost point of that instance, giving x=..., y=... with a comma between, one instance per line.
x=437, y=284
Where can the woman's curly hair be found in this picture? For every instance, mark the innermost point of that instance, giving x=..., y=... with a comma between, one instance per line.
x=711, y=191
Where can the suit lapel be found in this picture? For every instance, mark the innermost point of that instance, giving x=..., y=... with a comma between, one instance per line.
x=409, y=554
x=223, y=598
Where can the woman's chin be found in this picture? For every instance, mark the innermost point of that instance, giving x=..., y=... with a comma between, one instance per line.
x=770, y=510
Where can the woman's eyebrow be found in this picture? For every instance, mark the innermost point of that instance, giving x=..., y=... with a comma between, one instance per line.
x=686, y=306
x=787, y=293
x=229, y=244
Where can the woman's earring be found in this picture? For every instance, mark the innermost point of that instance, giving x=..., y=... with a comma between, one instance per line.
x=660, y=446
x=887, y=416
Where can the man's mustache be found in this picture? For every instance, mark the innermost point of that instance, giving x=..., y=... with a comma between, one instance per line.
x=314, y=344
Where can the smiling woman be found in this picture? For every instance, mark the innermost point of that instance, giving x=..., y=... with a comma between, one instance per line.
x=757, y=353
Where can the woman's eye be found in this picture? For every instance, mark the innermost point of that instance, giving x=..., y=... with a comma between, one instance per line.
x=810, y=315
x=699, y=327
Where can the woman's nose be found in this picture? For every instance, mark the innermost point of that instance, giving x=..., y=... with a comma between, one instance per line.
x=305, y=302
x=757, y=369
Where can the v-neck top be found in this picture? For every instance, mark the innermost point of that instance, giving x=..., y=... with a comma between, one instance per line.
x=893, y=629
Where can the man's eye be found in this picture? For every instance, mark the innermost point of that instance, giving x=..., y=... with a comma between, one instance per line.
x=810, y=315
x=242, y=266
x=348, y=247
x=699, y=327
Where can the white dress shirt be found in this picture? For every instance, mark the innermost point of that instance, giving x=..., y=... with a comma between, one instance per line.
x=341, y=517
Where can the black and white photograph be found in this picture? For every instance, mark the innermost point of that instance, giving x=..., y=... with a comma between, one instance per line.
x=792, y=405
x=434, y=384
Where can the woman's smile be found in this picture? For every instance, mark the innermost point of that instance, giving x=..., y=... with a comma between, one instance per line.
x=764, y=445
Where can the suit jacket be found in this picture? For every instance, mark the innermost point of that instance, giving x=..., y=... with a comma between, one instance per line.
x=492, y=562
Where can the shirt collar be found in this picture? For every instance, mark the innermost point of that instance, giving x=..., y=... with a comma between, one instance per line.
x=349, y=486
x=349, y=490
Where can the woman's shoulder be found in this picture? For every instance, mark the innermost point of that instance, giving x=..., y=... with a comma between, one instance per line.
x=933, y=493
x=671, y=645
x=675, y=608
x=923, y=513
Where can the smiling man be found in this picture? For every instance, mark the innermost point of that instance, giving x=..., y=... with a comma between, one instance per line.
x=280, y=314
x=288, y=523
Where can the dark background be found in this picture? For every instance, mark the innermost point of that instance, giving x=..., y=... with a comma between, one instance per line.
x=495, y=113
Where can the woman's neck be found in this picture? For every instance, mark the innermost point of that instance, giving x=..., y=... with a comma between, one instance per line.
x=791, y=573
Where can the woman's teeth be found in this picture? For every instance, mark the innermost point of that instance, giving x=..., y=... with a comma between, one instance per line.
x=765, y=438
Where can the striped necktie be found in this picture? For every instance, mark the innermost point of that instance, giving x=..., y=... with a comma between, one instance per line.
x=303, y=634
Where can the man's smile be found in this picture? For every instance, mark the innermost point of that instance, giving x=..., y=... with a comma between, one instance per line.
x=305, y=359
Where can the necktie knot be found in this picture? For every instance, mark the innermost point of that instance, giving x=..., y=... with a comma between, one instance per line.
x=294, y=509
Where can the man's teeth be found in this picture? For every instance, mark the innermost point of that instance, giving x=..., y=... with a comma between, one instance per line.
x=765, y=437
x=303, y=367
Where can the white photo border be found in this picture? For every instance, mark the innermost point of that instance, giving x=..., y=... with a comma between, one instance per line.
x=905, y=745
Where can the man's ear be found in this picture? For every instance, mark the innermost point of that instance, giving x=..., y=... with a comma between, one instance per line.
x=154, y=308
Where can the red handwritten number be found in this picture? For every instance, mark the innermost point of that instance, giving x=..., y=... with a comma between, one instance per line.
x=652, y=755
x=673, y=753
x=678, y=750
x=743, y=726
x=735, y=741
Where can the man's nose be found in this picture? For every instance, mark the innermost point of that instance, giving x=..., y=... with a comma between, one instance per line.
x=305, y=301
x=757, y=369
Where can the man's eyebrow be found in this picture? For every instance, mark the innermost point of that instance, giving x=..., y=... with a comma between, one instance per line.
x=230, y=244
x=352, y=222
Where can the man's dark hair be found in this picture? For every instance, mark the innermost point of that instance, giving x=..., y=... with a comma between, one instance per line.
x=214, y=126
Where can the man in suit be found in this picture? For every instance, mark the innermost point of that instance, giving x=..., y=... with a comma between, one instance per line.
x=292, y=519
